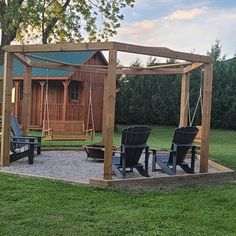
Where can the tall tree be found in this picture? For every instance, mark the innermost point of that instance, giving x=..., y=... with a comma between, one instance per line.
x=59, y=20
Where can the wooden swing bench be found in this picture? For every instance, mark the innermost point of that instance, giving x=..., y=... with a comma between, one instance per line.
x=66, y=131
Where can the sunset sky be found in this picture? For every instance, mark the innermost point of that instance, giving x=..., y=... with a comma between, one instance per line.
x=190, y=26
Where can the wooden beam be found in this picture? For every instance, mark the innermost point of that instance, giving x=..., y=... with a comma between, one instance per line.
x=146, y=71
x=23, y=59
x=6, y=110
x=184, y=103
x=104, y=110
x=206, y=117
x=26, y=105
x=66, y=63
x=192, y=67
x=161, y=52
x=110, y=113
x=65, y=98
x=74, y=68
x=170, y=65
x=59, y=47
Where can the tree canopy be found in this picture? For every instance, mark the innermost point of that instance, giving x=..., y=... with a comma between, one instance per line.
x=60, y=20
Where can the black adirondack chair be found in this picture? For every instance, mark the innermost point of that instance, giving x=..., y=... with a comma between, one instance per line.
x=182, y=142
x=133, y=143
x=21, y=149
x=23, y=140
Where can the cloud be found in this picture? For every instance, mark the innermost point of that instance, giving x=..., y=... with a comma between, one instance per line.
x=186, y=14
x=184, y=30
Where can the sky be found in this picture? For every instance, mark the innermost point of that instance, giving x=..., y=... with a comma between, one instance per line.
x=182, y=25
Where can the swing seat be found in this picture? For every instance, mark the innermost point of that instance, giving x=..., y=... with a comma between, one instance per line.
x=66, y=131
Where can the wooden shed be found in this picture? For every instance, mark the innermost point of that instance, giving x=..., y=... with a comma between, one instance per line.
x=64, y=93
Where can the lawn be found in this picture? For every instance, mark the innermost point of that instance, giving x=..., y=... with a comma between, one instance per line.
x=45, y=207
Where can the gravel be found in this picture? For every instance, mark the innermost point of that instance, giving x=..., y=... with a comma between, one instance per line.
x=72, y=166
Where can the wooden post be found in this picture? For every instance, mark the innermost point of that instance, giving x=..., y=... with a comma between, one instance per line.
x=26, y=108
x=65, y=98
x=104, y=111
x=42, y=83
x=6, y=110
x=17, y=97
x=110, y=113
x=183, y=119
x=206, y=117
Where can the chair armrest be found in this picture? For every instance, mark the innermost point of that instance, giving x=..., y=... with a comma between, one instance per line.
x=19, y=142
x=134, y=146
x=184, y=145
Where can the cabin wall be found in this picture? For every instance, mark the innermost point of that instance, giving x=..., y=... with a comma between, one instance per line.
x=75, y=109
x=97, y=85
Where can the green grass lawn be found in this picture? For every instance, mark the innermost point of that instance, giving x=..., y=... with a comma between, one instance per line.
x=45, y=207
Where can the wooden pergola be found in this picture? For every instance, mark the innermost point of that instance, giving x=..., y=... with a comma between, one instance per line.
x=192, y=62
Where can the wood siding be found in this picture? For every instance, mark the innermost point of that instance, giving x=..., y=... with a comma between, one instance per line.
x=75, y=109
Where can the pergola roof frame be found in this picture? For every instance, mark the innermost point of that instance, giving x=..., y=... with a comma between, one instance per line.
x=194, y=61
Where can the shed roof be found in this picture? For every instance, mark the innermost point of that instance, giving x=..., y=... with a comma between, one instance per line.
x=75, y=57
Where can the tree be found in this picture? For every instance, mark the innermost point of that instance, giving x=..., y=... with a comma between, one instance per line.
x=59, y=20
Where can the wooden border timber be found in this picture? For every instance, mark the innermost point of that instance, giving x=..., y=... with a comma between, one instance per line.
x=166, y=182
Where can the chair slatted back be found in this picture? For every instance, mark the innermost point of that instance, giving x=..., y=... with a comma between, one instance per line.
x=134, y=139
x=15, y=127
x=184, y=135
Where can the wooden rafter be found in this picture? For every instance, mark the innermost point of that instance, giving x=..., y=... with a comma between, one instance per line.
x=146, y=71
x=66, y=63
x=192, y=67
x=74, y=68
x=23, y=59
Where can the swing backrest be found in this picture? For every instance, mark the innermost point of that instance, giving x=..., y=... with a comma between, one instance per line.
x=65, y=127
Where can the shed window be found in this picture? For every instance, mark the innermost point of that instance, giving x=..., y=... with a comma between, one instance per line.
x=74, y=92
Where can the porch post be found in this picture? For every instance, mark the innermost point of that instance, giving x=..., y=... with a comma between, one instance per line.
x=6, y=109
x=26, y=108
x=183, y=119
x=65, y=98
x=104, y=109
x=17, y=97
x=206, y=117
x=110, y=95
x=42, y=83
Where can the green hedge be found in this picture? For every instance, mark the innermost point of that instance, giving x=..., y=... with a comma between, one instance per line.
x=152, y=99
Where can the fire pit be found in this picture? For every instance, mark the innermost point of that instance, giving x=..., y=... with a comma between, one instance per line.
x=96, y=151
